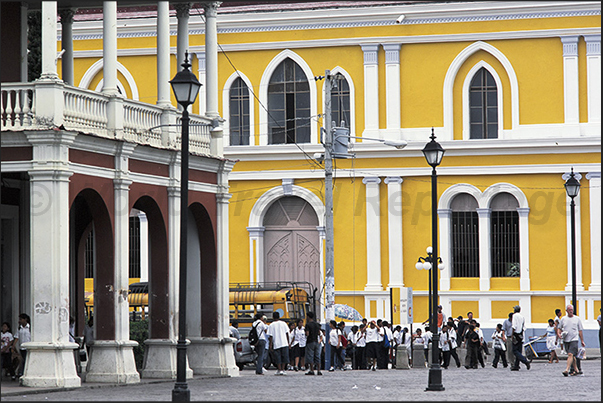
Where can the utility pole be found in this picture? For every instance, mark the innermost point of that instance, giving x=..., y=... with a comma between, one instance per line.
x=330, y=251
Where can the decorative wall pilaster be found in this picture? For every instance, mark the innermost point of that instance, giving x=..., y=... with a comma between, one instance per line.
x=571, y=90
x=371, y=90
x=394, y=230
x=593, y=77
x=392, y=90
x=373, y=235
x=594, y=186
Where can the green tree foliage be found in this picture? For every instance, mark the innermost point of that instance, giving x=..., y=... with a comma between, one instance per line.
x=34, y=45
x=139, y=331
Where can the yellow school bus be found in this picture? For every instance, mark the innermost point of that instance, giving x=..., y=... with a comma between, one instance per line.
x=292, y=300
x=138, y=299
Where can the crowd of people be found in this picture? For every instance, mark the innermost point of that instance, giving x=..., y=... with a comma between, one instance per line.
x=373, y=344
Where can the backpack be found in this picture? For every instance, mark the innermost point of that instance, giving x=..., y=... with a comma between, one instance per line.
x=253, y=336
x=344, y=341
x=386, y=342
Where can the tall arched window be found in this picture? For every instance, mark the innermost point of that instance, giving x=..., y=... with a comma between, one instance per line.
x=504, y=224
x=239, y=113
x=288, y=105
x=340, y=101
x=483, y=106
x=465, y=236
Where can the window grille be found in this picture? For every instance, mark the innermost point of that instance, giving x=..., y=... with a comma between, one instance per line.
x=465, y=244
x=340, y=101
x=483, y=106
x=505, y=243
x=134, y=259
x=239, y=113
x=89, y=255
x=288, y=105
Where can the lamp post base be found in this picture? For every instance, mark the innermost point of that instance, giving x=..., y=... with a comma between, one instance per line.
x=435, y=380
x=181, y=393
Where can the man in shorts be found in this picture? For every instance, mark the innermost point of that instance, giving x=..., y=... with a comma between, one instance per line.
x=570, y=331
x=313, y=347
x=278, y=334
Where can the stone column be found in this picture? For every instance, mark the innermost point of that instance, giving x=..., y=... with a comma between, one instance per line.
x=256, y=250
x=371, y=91
x=484, y=248
x=182, y=14
x=67, y=43
x=112, y=361
x=594, y=179
x=392, y=90
x=50, y=361
x=373, y=235
x=524, y=249
x=394, y=230
x=49, y=41
x=593, y=77
x=115, y=107
x=211, y=57
x=163, y=54
x=571, y=90
x=202, y=97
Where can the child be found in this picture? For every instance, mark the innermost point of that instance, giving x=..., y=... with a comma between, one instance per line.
x=551, y=341
x=7, y=350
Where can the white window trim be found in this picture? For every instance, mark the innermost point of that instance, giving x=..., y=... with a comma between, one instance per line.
x=98, y=66
x=451, y=74
x=226, y=106
x=466, y=106
x=263, y=95
x=348, y=78
x=484, y=200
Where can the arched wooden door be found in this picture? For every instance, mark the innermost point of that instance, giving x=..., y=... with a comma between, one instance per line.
x=291, y=242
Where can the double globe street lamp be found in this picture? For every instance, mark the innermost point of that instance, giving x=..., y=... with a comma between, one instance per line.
x=572, y=187
x=186, y=87
x=426, y=263
x=434, y=153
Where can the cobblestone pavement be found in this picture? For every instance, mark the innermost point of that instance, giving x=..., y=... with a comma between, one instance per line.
x=541, y=382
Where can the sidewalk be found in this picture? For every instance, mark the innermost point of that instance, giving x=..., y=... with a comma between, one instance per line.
x=12, y=388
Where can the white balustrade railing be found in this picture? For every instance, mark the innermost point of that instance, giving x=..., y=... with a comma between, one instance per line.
x=138, y=119
x=16, y=105
x=85, y=110
x=89, y=112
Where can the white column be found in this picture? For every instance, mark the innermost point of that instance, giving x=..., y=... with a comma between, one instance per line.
x=50, y=360
x=211, y=58
x=174, y=254
x=444, y=242
x=593, y=77
x=182, y=14
x=371, y=90
x=144, y=246
x=571, y=90
x=203, y=80
x=579, y=285
x=394, y=230
x=392, y=90
x=256, y=259
x=373, y=235
x=110, y=48
x=163, y=53
x=524, y=249
x=484, y=248
x=49, y=40
x=594, y=185
x=67, y=43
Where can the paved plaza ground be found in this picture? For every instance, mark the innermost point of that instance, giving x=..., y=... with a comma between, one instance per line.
x=543, y=381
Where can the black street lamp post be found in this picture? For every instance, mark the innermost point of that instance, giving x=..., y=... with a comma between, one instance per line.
x=434, y=152
x=186, y=87
x=426, y=263
x=572, y=187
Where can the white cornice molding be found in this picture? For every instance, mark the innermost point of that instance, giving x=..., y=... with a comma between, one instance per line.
x=353, y=41
x=349, y=17
x=414, y=172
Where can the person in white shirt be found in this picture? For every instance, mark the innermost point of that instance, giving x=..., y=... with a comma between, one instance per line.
x=298, y=344
x=453, y=345
x=372, y=344
x=234, y=330
x=352, y=344
x=444, y=346
x=260, y=347
x=518, y=325
x=360, y=342
x=278, y=335
x=570, y=330
x=335, y=345
x=23, y=336
x=386, y=350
